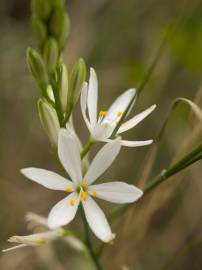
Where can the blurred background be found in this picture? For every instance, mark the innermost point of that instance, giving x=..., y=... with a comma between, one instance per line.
x=119, y=39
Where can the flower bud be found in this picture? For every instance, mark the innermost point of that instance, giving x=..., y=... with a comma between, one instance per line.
x=49, y=120
x=60, y=26
x=39, y=29
x=51, y=54
x=41, y=8
x=57, y=3
x=62, y=84
x=77, y=78
x=37, y=68
x=50, y=93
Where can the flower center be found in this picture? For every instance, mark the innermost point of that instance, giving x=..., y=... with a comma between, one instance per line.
x=83, y=190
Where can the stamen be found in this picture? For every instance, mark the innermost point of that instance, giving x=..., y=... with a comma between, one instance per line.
x=41, y=242
x=84, y=195
x=72, y=202
x=119, y=113
x=103, y=113
x=94, y=193
x=69, y=190
x=85, y=184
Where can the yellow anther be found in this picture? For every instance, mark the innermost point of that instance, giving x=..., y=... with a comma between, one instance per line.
x=41, y=242
x=85, y=184
x=94, y=193
x=69, y=190
x=119, y=113
x=84, y=195
x=72, y=202
x=103, y=113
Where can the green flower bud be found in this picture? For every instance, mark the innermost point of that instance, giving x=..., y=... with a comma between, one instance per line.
x=49, y=121
x=39, y=30
x=77, y=78
x=60, y=26
x=62, y=82
x=37, y=68
x=41, y=8
x=50, y=54
x=57, y=3
x=50, y=94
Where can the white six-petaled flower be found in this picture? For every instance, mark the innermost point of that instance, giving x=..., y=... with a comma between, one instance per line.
x=81, y=188
x=101, y=127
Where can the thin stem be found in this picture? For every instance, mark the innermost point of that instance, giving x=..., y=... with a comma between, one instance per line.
x=186, y=161
x=88, y=242
x=87, y=148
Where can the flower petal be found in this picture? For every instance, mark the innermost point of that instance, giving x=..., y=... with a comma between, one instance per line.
x=92, y=98
x=116, y=192
x=103, y=160
x=136, y=119
x=47, y=178
x=83, y=102
x=119, y=105
x=102, y=131
x=64, y=211
x=69, y=155
x=36, y=239
x=135, y=143
x=97, y=221
x=15, y=247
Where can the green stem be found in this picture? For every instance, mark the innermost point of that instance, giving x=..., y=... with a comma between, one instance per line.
x=88, y=242
x=184, y=162
x=87, y=148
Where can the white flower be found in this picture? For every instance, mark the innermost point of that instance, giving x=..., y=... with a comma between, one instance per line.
x=81, y=189
x=101, y=128
x=42, y=238
x=34, y=240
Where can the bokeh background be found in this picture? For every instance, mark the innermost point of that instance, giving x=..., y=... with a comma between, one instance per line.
x=119, y=39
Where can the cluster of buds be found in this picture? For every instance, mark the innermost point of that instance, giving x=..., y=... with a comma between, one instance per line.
x=60, y=89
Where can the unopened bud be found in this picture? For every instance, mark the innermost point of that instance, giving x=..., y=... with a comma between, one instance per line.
x=62, y=85
x=37, y=68
x=49, y=120
x=60, y=26
x=39, y=30
x=77, y=78
x=41, y=8
x=57, y=3
x=51, y=54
